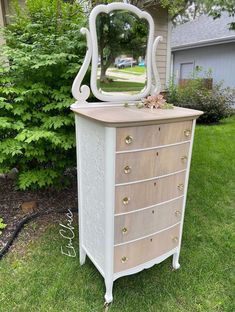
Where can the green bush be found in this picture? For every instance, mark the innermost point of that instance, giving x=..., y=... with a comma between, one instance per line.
x=43, y=53
x=216, y=103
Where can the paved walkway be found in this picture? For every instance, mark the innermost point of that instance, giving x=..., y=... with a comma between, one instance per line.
x=124, y=76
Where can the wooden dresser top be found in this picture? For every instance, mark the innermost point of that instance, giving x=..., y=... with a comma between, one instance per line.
x=120, y=116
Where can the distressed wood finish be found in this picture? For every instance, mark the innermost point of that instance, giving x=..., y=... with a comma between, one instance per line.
x=142, y=165
x=153, y=135
x=145, y=249
x=138, y=224
x=148, y=193
x=116, y=115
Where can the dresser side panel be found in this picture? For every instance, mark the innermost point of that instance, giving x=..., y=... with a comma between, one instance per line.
x=91, y=170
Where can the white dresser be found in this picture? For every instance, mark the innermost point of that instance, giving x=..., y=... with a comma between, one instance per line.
x=133, y=169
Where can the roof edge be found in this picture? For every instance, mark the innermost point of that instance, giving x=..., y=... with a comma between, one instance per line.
x=204, y=43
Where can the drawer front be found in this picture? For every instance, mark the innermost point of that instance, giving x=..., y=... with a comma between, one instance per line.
x=142, y=165
x=131, y=138
x=145, y=222
x=143, y=194
x=129, y=255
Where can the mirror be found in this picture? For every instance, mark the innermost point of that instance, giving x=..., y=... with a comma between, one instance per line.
x=122, y=53
x=122, y=39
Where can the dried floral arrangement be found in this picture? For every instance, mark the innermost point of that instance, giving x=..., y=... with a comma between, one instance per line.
x=153, y=101
x=156, y=101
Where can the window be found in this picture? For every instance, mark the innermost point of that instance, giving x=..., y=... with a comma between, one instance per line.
x=186, y=70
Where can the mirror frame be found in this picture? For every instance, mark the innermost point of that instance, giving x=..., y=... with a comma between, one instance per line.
x=92, y=25
x=82, y=92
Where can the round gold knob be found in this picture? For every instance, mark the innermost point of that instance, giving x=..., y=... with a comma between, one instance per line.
x=187, y=132
x=184, y=159
x=129, y=139
x=125, y=201
x=180, y=187
x=175, y=239
x=124, y=230
x=127, y=169
x=124, y=259
x=178, y=213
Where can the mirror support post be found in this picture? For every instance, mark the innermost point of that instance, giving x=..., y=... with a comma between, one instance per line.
x=81, y=93
x=156, y=86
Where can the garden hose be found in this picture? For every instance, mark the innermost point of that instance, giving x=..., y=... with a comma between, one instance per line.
x=26, y=220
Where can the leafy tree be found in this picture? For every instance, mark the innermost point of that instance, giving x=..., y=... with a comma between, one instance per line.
x=119, y=33
x=180, y=7
x=43, y=53
x=212, y=7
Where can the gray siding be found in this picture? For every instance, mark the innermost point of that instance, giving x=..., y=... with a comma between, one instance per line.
x=219, y=58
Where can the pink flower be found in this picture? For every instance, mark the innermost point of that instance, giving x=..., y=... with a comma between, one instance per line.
x=154, y=101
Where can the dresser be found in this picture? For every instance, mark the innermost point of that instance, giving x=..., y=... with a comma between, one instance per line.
x=133, y=171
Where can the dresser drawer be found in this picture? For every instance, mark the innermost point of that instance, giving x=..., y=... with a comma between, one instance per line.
x=131, y=138
x=148, y=221
x=146, y=164
x=143, y=194
x=130, y=255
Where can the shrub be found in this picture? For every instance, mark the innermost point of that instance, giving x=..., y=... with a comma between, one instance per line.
x=215, y=103
x=43, y=52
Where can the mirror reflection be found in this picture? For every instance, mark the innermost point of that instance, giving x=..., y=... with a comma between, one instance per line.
x=122, y=46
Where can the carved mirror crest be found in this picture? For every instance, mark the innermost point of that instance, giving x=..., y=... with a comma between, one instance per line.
x=122, y=53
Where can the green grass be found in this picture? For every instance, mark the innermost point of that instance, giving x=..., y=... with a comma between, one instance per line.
x=136, y=70
x=117, y=86
x=44, y=280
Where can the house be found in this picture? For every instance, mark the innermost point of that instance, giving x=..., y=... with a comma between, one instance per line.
x=205, y=43
x=162, y=28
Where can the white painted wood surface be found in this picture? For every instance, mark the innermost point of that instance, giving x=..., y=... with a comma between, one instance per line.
x=98, y=206
x=153, y=83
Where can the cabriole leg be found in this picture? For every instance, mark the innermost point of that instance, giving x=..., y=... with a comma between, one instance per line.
x=109, y=291
x=175, y=262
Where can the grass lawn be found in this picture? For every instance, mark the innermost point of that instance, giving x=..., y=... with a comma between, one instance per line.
x=42, y=279
x=116, y=86
x=136, y=70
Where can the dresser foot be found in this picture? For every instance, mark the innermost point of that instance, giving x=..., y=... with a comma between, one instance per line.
x=175, y=262
x=106, y=306
x=109, y=292
x=82, y=256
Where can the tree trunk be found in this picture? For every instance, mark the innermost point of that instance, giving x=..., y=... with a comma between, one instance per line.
x=105, y=66
x=103, y=77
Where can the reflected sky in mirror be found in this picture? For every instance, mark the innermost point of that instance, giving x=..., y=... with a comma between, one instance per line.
x=122, y=44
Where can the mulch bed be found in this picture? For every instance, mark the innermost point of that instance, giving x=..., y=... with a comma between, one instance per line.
x=49, y=199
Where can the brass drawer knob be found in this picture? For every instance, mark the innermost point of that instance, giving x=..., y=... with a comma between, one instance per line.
x=129, y=139
x=127, y=169
x=180, y=187
x=125, y=201
x=178, y=213
x=184, y=159
x=124, y=230
x=175, y=239
x=187, y=132
x=124, y=259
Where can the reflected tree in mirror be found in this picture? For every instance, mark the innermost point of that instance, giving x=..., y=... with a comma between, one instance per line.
x=122, y=43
